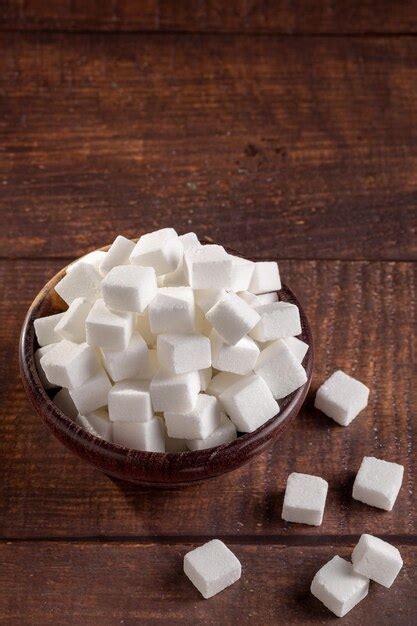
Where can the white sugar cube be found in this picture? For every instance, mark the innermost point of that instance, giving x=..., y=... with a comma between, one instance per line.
x=279, y=319
x=97, y=423
x=189, y=240
x=40, y=352
x=147, y=436
x=242, y=270
x=130, y=401
x=265, y=277
x=267, y=298
x=175, y=393
x=69, y=364
x=378, y=482
x=239, y=359
x=224, y=433
x=232, y=318
x=111, y=330
x=376, y=559
x=250, y=298
x=172, y=310
x=305, y=498
x=63, y=401
x=221, y=381
x=202, y=326
x=133, y=362
x=180, y=354
x=338, y=587
x=342, y=397
x=153, y=366
x=129, y=288
x=93, y=258
x=205, y=377
x=209, y=267
x=144, y=329
x=171, y=443
x=212, y=567
x=207, y=298
x=161, y=250
x=118, y=254
x=92, y=394
x=45, y=329
x=198, y=423
x=83, y=281
x=298, y=348
x=72, y=323
x=178, y=278
x=280, y=369
x=249, y=403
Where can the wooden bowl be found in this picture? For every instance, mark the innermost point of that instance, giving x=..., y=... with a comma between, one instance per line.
x=151, y=468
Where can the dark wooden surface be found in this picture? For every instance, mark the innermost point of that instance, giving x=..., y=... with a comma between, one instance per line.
x=296, y=148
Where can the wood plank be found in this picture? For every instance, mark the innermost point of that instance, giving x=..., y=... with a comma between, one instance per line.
x=262, y=16
x=363, y=318
x=296, y=147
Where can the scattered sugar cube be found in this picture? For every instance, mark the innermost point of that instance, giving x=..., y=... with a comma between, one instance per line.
x=83, y=281
x=175, y=393
x=111, y=330
x=72, y=323
x=129, y=288
x=97, y=423
x=161, y=250
x=242, y=271
x=205, y=377
x=305, y=498
x=133, y=362
x=144, y=329
x=377, y=560
x=69, y=364
x=342, y=397
x=209, y=267
x=92, y=394
x=45, y=329
x=63, y=401
x=172, y=311
x=198, y=423
x=93, y=258
x=147, y=436
x=207, y=298
x=221, y=381
x=267, y=298
x=232, y=318
x=153, y=366
x=280, y=369
x=42, y=376
x=249, y=403
x=338, y=587
x=298, y=348
x=279, y=319
x=118, y=254
x=378, y=482
x=212, y=567
x=224, y=433
x=180, y=354
x=265, y=277
x=239, y=359
x=130, y=401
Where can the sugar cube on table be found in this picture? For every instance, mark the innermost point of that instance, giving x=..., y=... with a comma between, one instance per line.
x=129, y=288
x=207, y=298
x=69, y=364
x=42, y=376
x=63, y=401
x=221, y=381
x=224, y=433
x=133, y=362
x=212, y=567
x=205, y=377
x=267, y=298
x=305, y=499
x=238, y=359
x=280, y=369
x=97, y=423
x=242, y=270
x=130, y=401
x=198, y=423
x=339, y=587
x=161, y=250
x=93, y=258
x=277, y=320
x=45, y=329
x=232, y=318
x=92, y=394
x=376, y=559
x=180, y=354
x=111, y=330
x=174, y=392
x=72, y=323
x=118, y=254
x=172, y=311
x=249, y=403
x=83, y=281
x=342, y=397
x=265, y=277
x=298, y=347
x=147, y=436
x=378, y=482
x=209, y=267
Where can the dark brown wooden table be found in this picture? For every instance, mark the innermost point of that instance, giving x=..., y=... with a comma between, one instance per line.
x=288, y=131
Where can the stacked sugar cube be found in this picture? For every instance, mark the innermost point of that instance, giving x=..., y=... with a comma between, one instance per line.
x=170, y=345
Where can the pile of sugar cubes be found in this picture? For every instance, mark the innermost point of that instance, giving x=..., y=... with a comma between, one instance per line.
x=169, y=345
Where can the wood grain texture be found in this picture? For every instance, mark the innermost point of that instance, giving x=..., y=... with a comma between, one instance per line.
x=363, y=319
x=255, y=16
x=286, y=144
